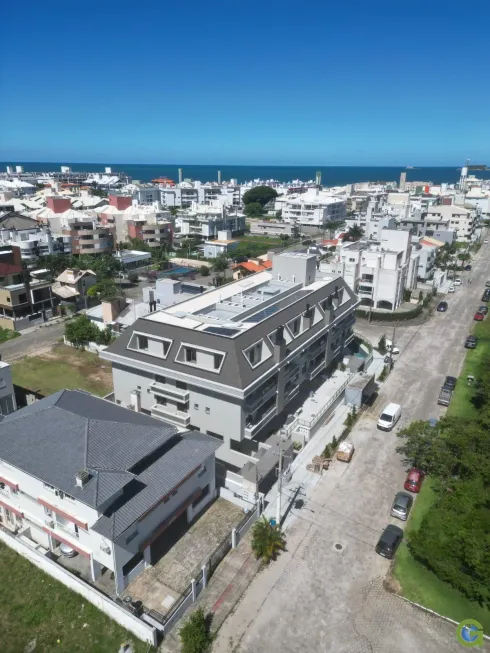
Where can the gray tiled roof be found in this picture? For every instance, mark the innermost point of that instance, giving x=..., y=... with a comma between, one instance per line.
x=156, y=481
x=15, y=220
x=53, y=439
x=235, y=372
x=56, y=437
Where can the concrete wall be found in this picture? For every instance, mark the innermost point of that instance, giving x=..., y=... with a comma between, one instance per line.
x=124, y=618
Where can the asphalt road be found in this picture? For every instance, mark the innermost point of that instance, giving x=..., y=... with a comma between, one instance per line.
x=326, y=592
x=28, y=344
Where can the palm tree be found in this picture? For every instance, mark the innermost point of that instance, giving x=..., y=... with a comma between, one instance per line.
x=354, y=233
x=267, y=540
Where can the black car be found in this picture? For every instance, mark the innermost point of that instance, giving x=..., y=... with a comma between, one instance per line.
x=486, y=296
x=483, y=309
x=470, y=342
x=450, y=383
x=442, y=307
x=467, y=268
x=389, y=541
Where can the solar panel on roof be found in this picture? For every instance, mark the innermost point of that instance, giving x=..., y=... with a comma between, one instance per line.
x=262, y=315
x=222, y=331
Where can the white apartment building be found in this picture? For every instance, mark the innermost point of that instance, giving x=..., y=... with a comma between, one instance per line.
x=311, y=209
x=104, y=481
x=184, y=194
x=460, y=219
x=377, y=272
x=206, y=221
x=32, y=239
x=231, y=361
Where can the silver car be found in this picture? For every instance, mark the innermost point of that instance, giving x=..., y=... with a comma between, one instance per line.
x=401, y=506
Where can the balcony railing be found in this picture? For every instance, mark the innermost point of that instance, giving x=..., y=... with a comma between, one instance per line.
x=177, y=417
x=252, y=429
x=171, y=392
x=251, y=406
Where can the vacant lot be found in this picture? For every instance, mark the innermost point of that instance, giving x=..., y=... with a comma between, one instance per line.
x=40, y=614
x=64, y=367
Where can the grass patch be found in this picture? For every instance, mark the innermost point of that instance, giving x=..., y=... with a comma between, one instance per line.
x=8, y=334
x=37, y=608
x=64, y=367
x=475, y=361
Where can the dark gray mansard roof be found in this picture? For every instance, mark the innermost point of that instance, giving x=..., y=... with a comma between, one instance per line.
x=235, y=372
x=53, y=439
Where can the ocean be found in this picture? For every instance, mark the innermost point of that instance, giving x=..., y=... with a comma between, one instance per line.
x=331, y=175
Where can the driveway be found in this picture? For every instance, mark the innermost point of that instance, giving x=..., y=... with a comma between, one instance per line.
x=326, y=593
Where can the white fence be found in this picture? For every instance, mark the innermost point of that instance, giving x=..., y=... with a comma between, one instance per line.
x=124, y=618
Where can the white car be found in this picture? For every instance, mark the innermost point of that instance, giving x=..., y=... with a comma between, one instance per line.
x=452, y=289
x=486, y=241
x=457, y=282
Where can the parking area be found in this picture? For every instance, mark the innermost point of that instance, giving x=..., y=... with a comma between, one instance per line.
x=187, y=548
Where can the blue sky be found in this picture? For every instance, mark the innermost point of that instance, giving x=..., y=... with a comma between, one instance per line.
x=269, y=82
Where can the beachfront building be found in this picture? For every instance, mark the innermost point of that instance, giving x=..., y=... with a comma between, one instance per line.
x=462, y=220
x=204, y=221
x=229, y=362
x=312, y=209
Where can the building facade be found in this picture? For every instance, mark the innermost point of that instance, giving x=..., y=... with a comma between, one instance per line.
x=106, y=482
x=229, y=361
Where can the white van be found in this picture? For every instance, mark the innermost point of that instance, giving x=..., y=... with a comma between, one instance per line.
x=389, y=417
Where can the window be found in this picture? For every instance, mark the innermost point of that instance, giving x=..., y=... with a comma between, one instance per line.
x=142, y=343
x=196, y=406
x=251, y=355
x=183, y=407
x=202, y=470
x=217, y=361
x=69, y=497
x=47, y=486
x=161, y=401
x=2, y=382
x=208, y=411
x=48, y=512
x=190, y=355
x=295, y=326
x=181, y=385
x=160, y=379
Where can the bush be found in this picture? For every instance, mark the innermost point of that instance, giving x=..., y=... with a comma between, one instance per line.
x=195, y=633
x=382, y=345
x=421, y=296
x=204, y=271
x=407, y=295
x=390, y=317
x=384, y=374
x=133, y=277
x=327, y=452
x=297, y=445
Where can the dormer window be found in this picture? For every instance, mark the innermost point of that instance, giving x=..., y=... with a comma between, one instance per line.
x=190, y=355
x=143, y=343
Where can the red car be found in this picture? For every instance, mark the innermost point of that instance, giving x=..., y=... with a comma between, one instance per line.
x=414, y=480
x=478, y=317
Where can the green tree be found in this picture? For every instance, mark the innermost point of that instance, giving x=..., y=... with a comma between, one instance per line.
x=354, y=233
x=254, y=210
x=104, y=290
x=260, y=194
x=195, y=633
x=332, y=226
x=133, y=277
x=220, y=264
x=279, y=214
x=204, y=271
x=267, y=540
x=407, y=295
x=80, y=331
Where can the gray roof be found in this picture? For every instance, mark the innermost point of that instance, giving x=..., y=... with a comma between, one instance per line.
x=53, y=439
x=235, y=372
x=17, y=221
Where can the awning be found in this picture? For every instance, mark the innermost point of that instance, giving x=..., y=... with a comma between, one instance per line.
x=65, y=292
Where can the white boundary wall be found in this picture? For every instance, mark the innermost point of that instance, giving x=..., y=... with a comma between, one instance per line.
x=124, y=618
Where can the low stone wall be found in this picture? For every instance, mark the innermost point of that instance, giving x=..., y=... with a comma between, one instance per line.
x=191, y=262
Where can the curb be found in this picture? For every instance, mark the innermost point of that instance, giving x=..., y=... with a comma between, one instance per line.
x=436, y=614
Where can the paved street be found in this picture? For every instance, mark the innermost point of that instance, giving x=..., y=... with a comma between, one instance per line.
x=325, y=593
x=31, y=343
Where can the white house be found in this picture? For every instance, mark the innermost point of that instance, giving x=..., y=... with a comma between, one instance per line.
x=105, y=481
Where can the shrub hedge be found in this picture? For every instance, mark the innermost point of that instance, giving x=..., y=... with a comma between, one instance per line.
x=390, y=317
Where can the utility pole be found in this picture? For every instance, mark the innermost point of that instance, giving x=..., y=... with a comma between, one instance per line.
x=279, y=484
x=392, y=347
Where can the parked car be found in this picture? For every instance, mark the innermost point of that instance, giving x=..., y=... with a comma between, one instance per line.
x=486, y=296
x=67, y=551
x=401, y=506
x=444, y=398
x=487, y=283
x=470, y=342
x=442, y=307
x=414, y=480
x=478, y=317
x=457, y=281
x=450, y=382
x=452, y=289
x=389, y=541
x=467, y=268
x=483, y=309
x=389, y=417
